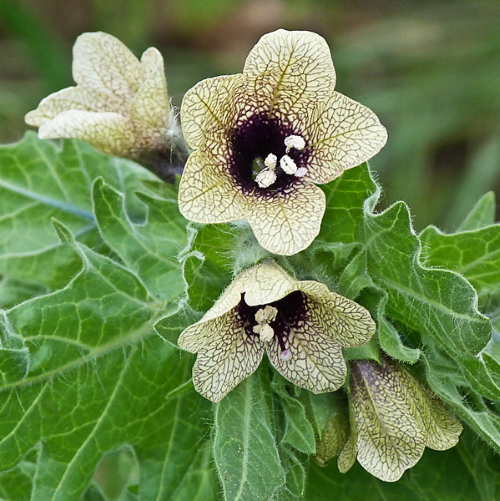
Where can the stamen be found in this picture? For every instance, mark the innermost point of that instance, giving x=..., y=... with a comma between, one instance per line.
x=266, y=314
x=295, y=142
x=265, y=331
x=301, y=172
x=264, y=317
x=265, y=178
x=271, y=161
x=288, y=165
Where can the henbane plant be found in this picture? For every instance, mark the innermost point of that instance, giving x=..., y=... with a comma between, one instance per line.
x=330, y=338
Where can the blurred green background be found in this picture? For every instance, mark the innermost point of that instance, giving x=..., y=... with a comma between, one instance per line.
x=429, y=69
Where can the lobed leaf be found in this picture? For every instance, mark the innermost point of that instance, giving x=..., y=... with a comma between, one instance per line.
x=245, y=449
x=40, y=180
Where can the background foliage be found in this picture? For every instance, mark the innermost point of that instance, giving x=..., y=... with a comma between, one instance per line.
x=95, y=258
x=429, y=69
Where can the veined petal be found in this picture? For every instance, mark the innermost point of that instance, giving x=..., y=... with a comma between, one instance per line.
x=316, y=362
x=342, y=134
x=287, y=223
x=108, y=132
x=206, y=331
x=72, y=98
x=266, y=283
x=440, y=427
x=389, y=438
x=225, y=362
x=101, y=62
x=263, y=283
x=289, y=70
x=347, y=322
x=209, y=110
x=347, y=456
x=206, y=193
x=149, y=107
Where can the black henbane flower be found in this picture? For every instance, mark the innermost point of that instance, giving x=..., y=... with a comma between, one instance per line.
x=393, y=418
x=302, y=325
x=120, y=104
x=264, y=136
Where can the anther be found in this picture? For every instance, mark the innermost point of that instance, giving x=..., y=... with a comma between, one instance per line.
x=271, y=161
x=265, y=178
x=295, y=142
x=264, y=317
x=288, y=165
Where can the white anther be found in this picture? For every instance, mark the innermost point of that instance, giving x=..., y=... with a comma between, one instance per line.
x=265, y=332
x=271, y=161
x=265, y=178
x=301, y=172
x=263, y=317
x=295, y=142
x=288, y=165
x=266, y=315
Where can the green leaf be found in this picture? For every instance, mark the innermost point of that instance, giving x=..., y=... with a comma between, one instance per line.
x=208, y=263
x=474, y=254
x=14, y=291
x=481, y=215
x=298, y=431
x=245, y=451
x=345, y=201
x=149, y=249
x=16, y=484
x=438, y=476
x=41, y=179
x=448, y=383
x=98, y=378
x=438, y=304
x=295, y=475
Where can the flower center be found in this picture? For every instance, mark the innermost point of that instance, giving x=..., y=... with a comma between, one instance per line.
x=266, y=173
x=264, y=317
x=274, y=321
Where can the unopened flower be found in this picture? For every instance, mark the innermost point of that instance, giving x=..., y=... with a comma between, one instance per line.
x=120, y=104
x=393, y=418
x=302, y=325
x=263, y=137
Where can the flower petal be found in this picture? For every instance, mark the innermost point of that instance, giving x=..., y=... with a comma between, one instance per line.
x=209, y=111
x=266, y=283
x=149, y=107
x=105, y=65
x=194, y=337
x=206, y=193
x=289, y=70
x=261, y=284
x=287, y=223
x=72, y=98
x=389, y=438
x=440, y=427
x=316, y=362
x=108, y=132
x=347, y=322
x=342, y=134
x=226, y=361
x=347, y=456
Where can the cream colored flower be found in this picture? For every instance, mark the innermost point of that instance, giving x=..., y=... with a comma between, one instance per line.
x=283, y=104
x=120, y=104
x=302, y=325
x=393, y=418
